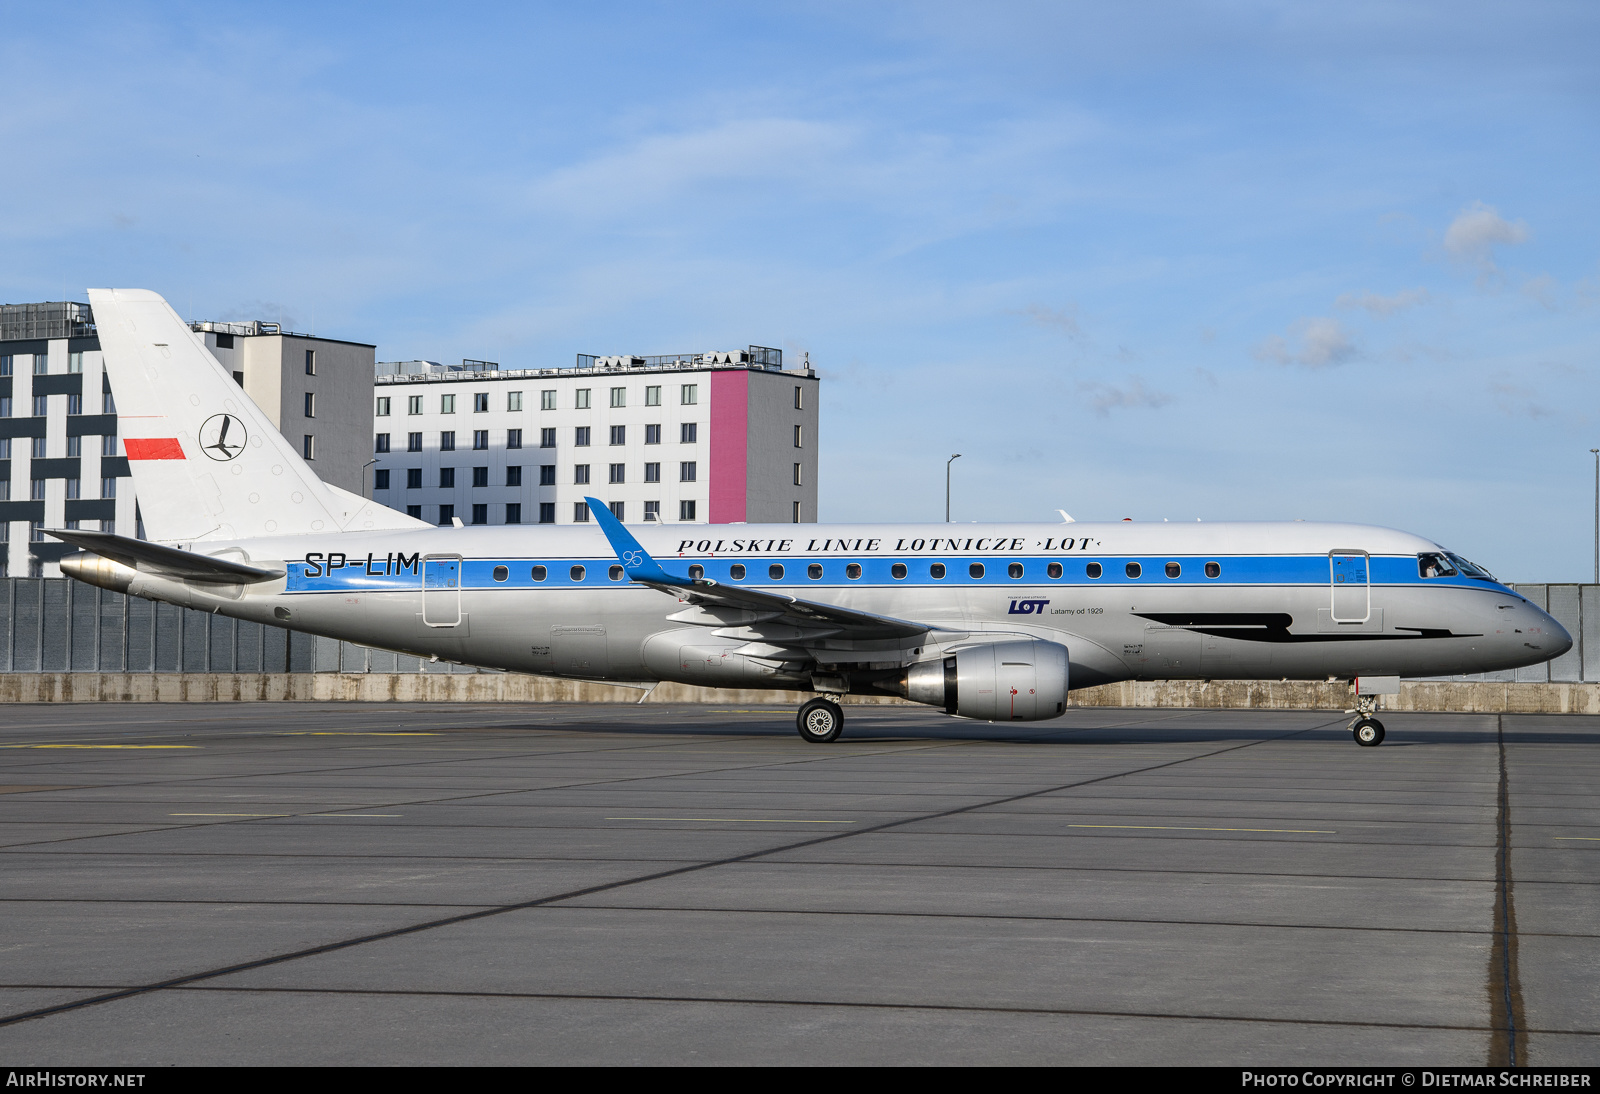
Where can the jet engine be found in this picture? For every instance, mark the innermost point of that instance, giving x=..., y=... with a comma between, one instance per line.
x=1018, y=681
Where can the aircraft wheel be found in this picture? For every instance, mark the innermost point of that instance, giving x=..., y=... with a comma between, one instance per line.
x=820, y=721
x=1368, y=732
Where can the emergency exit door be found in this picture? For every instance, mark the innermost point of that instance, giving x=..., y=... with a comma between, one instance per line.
x=441, y=590
x=1349, y=573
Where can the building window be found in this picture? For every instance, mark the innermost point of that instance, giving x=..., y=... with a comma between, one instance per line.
x=38, y=448
x=513, y=512
x=580, y=512
x=447, y=404
x=652, y=472
x=311, y=362
x=74, y=489
x=5, y=454
x=616, y=511
x=513, y=402
x=480, y=514
x=41, y=364
x=224, y=341
x=36, y=490
x=619, y=396
x=619, y=472
x=580, y=436
x=513, y=438
x=580, y=474
x=796, y=520
x=413, y=442
x=413, y=478
x=652, y=511
x=382, y=444
x=619, y=434
x=108, y=405
x=547, y=474
x=74, y=404
x=74, y=447
x=311, y=405
x=308, y=447
x=413, y=404
x=41, y=405
x=547, y=512
x=5, y=406
x=108, y=488
x=447, y=441
x=580, y=400
x=688, y=433
x=480, y=440
x=686, y=471
x=380, y=479
x=447, y=478
x=799, y=436
x=547, y=401
x=109, y=527
x=686, y=510
x=514, y=476
x=108, y=445
x=480, y=478
x=480, y=405
x=547, y=438
x=5, y=365
x=799, y=400
x=652, y=396
x=238, y=378
x=36, y=534
x=447, y=514
x=383, y=407
x=689, y=394
x=652, y=434
x=798, y=481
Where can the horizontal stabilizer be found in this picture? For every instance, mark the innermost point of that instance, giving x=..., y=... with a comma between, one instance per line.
x=139, y=554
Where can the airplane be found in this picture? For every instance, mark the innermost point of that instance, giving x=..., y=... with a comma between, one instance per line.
x=995, y=622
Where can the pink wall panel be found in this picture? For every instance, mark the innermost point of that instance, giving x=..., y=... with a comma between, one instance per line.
x=730, y=425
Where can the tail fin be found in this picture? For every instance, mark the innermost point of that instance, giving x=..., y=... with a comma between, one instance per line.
x=206, y=462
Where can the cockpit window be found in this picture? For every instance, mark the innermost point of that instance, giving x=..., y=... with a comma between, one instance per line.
x=1470, y=569
x=1430, y=564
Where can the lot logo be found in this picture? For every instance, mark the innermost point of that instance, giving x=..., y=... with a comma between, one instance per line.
x=222, y=436
x=1027, y=607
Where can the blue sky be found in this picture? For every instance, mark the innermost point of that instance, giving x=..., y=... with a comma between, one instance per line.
x=1229, y=260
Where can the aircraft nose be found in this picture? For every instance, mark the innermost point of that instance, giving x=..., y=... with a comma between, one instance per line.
x=1557, y=639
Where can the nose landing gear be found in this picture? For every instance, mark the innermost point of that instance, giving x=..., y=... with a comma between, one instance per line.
x=820, y=721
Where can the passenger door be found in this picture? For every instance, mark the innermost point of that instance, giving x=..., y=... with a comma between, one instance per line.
x=1351, y=586
x=441, y=590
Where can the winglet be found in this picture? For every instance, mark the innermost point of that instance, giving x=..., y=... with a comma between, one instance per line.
x=636, y=561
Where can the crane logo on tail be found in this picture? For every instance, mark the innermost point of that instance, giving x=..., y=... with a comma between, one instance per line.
x=222, y=437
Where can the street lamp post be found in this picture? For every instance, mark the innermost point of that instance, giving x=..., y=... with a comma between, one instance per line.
x=956, y=457
x=1596, y=453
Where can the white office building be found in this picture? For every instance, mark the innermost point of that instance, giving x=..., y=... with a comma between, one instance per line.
x=699, y=438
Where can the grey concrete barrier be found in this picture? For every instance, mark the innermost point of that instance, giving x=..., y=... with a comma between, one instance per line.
x=1484, y=697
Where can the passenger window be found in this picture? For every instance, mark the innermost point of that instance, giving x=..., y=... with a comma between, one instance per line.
x=898, y=571
x=540, y=573
x=1015, y=569
x=501, y=573
x=936, y=571
x=814, y=571
x=1054, y=569
x=577, y=573
x=1173, y=569
x=1213, y=570
x=1093, y=569
x=616, y=573
x=976, y=569
x=696, y=573
x=736, y=571
x=775, y=571
x=1132, y=569
x=853, y=571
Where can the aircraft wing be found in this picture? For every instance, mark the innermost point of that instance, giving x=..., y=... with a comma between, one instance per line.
x=139, y=554
x=779, y=618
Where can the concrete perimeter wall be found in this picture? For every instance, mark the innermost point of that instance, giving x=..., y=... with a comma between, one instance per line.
x=1484, y=697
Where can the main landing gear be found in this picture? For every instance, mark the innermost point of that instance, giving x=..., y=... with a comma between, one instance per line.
x=820, y=721
x=1366, y=729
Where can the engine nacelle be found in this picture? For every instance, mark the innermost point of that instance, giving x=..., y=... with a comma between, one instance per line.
x=1018, y=681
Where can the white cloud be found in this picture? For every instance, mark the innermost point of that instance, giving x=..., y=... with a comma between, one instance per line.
x=1133, y=394
x=1065, y=320
x=1477, y=230
x=1384, y=305
x=1322, y=343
